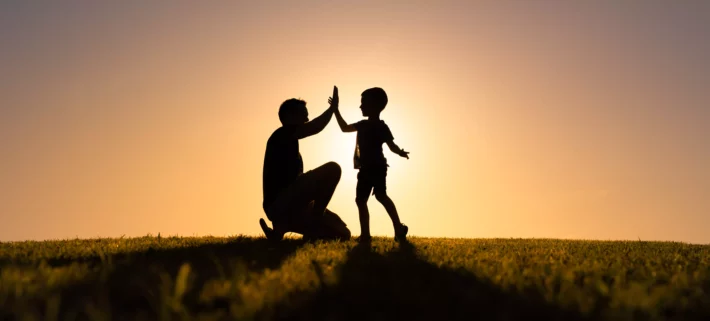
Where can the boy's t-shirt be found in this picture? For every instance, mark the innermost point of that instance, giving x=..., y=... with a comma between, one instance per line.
x=371, y=134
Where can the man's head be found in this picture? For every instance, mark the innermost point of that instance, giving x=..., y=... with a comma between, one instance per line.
x=373, y=101
x=293, y=112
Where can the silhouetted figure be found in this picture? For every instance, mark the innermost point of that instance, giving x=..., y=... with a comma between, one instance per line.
x=293, y=200
x=369, y=159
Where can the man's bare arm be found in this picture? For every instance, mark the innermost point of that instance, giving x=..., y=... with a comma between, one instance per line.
x=314, y=126
x=395, y=149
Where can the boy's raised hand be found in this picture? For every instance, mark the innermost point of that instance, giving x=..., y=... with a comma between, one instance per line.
x=404, y=154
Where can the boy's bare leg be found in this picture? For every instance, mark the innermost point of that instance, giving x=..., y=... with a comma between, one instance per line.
x=400, y=230
x=387, y=202
x=364, y=218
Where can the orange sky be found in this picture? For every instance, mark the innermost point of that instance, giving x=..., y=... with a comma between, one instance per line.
x=523, y=119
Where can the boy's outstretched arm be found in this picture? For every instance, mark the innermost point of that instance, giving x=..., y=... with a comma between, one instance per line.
x=344, y=126
x=395, y=149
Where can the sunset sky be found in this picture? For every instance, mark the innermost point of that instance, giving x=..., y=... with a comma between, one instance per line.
x=523, y=119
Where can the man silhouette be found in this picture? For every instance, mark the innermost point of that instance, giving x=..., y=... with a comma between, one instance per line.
x=295, y=201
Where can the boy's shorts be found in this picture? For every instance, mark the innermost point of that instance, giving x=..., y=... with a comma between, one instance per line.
x=370, y=180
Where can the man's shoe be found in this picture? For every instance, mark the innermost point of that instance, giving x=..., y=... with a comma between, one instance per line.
x=269, y=232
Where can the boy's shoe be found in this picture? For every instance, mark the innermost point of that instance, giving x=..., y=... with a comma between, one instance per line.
x=364, y=239
x=400, y=235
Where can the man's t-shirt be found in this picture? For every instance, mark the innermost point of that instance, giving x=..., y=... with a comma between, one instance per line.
x=282, y=163
x=371, y=134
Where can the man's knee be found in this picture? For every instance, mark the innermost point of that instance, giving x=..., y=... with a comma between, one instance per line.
x=333, y=170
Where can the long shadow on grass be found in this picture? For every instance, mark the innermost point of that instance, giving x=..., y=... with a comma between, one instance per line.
x=258, y=251
x=401, y=286
x=132, y=285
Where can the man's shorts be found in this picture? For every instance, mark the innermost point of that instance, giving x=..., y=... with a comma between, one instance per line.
x=370, y=180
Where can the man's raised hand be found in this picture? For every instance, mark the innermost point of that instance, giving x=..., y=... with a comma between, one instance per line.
x=334, y=101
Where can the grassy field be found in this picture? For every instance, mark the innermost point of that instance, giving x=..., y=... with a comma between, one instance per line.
x=208, y=278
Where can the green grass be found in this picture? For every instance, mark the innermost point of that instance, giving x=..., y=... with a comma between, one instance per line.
x=209, y=278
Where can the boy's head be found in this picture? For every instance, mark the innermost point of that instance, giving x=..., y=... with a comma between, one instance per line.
x=293, y=112
x=373, y=101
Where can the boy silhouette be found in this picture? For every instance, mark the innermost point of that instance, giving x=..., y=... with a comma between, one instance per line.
x=369, y=159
